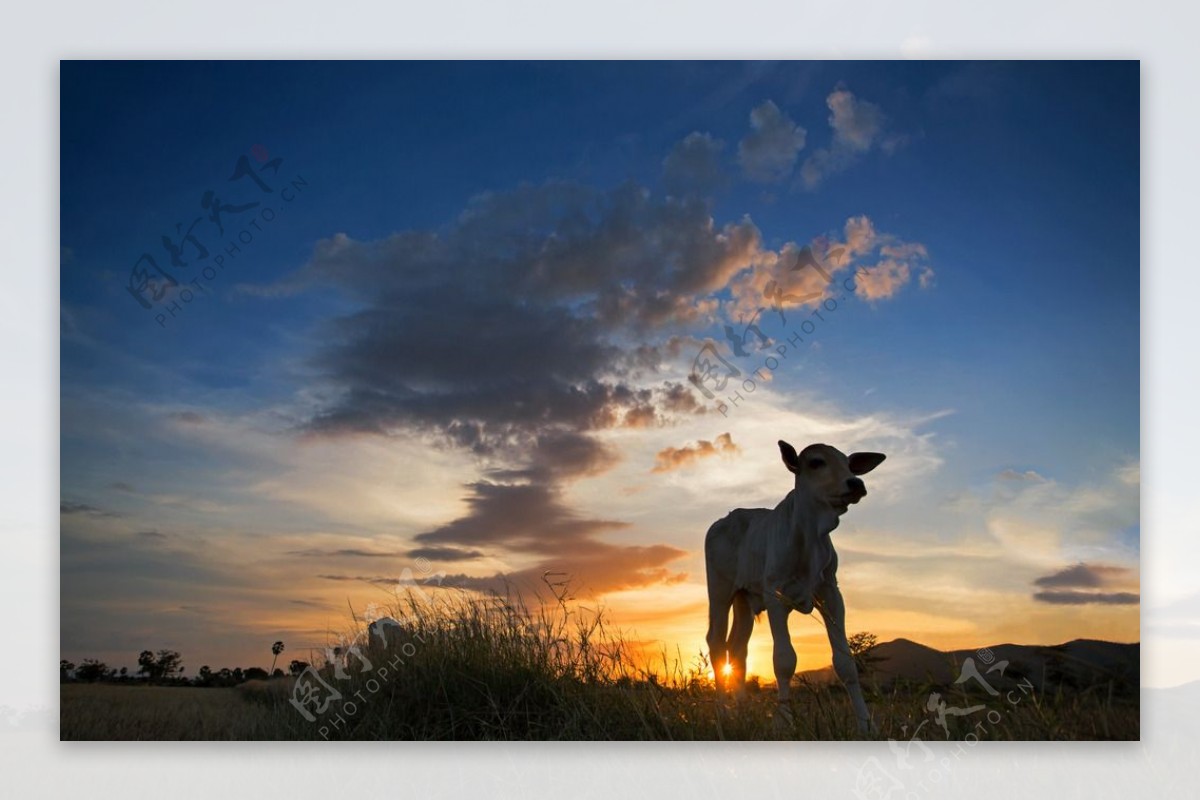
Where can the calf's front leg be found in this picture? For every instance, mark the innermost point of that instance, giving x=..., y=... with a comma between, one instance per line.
x=833, y=610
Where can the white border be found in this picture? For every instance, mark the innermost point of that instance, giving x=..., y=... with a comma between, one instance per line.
x=35, y=764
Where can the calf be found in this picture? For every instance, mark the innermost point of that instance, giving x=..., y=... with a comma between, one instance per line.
x=783, y=559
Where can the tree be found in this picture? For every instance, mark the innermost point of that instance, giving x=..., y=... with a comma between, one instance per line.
x=255, y=673
x=92, y=670
x=163, y=665
x=168, y=663
x=64, y=670
x=276, y=649
x=297, y=667
x=861, y=645
x=147, y=665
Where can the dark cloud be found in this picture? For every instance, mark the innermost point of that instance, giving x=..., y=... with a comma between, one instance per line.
x=1073, y=597
x=444, y=554
x=526, y=517
x=674, y=458
x=532, y=519
x=367, y=579
x=621, y=256
x=189, y=418
x=768, y=153
x=504, y=330
x=1085, y=575
x=320, y=553
x=693, y=167
x=559, y=455
x=152, y=535
x=70, y=508
x=679, y=398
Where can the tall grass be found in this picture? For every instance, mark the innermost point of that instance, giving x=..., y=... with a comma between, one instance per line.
x=467, y=667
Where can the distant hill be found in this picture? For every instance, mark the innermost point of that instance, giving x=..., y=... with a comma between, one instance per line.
x=1075, y=664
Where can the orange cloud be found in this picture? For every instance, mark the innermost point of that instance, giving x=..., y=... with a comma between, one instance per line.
x=669, y=459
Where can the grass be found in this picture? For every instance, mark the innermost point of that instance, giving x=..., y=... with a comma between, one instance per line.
x=140, y=712
x=467, y=668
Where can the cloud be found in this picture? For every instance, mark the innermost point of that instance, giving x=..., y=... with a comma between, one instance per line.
x=592, y=567
x=1028, y=475
x=861, y=237
x=70, y=508
x=1130, y=474
x=893, y=270
x=361, y=579
x=1078, y=583
x=444, y=554
x=674, y=458
x=768, y=153
x=797, y=276
x=506, y=326
x=1073, y=598
x=619, y=257
x=883, y=280
x=524, y=517
x=533, y=519
x=320, y=553
x=858, y=128
x=693, y=167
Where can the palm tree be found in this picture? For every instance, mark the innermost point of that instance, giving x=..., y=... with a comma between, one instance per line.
x=276, y=649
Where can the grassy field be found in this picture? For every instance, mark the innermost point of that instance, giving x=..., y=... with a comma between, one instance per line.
x=466, y=668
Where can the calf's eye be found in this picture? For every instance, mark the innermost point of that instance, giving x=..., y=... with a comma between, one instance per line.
x=816, y=464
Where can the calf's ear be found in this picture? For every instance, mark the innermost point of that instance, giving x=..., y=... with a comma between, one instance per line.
x=864, y=462
x=790, y=459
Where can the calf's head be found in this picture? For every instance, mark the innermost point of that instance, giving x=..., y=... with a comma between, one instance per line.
x=829, y=475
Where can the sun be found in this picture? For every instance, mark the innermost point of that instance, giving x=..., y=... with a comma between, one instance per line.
x=727, y=669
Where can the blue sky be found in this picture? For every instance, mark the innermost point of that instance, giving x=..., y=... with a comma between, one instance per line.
x=1010, y=344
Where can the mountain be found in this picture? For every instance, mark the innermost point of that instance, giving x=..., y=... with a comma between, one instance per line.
x=1074, y=664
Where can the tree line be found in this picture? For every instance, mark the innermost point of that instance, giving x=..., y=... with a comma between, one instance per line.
x=165, y=667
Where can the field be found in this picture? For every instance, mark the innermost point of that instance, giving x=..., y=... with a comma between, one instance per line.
x=472, y=669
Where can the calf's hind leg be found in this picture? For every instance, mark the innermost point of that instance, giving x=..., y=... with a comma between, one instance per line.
x=784, y=653
x=718, y=629
x=739, y=641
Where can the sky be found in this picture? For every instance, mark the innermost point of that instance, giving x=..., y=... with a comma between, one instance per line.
x=325, y=325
